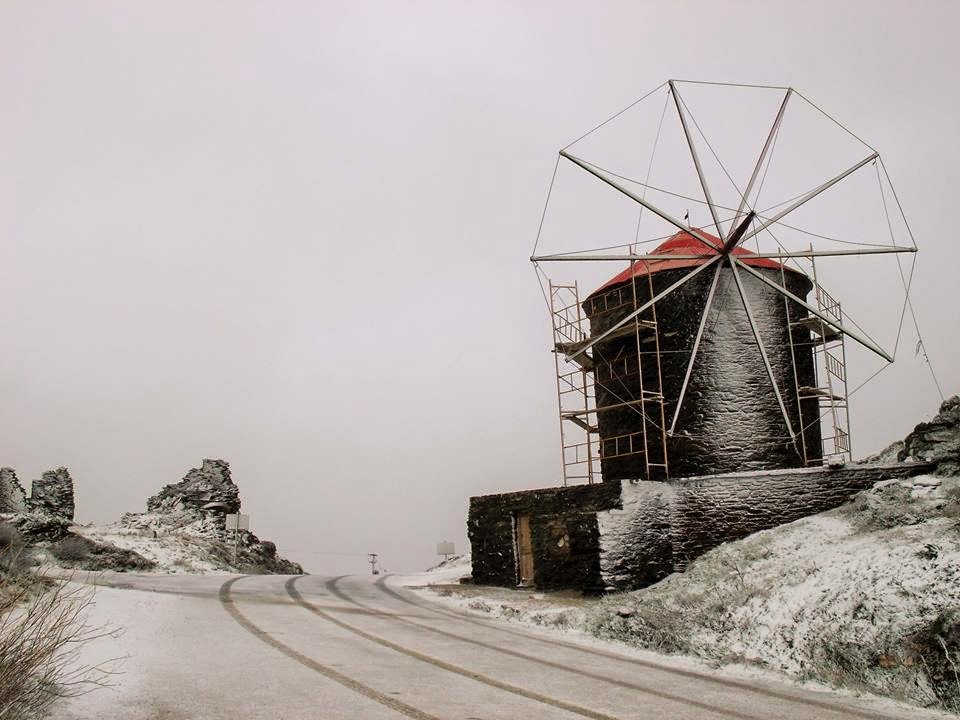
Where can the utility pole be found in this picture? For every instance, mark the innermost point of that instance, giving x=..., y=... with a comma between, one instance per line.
x=373, y=564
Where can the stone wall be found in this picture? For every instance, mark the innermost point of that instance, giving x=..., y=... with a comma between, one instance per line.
x=13, y=499
x=53, y=493
x=563, y=523
x=708, y=511
x=630, y=534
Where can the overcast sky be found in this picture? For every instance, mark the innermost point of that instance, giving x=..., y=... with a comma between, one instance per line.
x=295, y=236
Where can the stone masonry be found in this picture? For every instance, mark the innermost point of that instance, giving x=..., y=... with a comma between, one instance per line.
x=13, y=499
x=53, y=493
x=630, y=534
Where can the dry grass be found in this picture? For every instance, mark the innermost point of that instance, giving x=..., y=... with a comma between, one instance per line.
x=42, y=629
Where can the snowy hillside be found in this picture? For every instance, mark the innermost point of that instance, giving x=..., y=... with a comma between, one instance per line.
x=865, y=596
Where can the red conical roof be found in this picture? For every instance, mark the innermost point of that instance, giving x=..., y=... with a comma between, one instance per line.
x=683, y=243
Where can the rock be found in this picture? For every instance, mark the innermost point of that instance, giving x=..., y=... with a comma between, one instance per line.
x=201, y=487
x=624, y=612
x=13, y=498
x=39, y=526
x=53, y=493
x=938, y=440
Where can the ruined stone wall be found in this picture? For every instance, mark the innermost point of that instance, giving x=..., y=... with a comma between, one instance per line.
x=13, y=499
x=53, y=493
x=564, y=531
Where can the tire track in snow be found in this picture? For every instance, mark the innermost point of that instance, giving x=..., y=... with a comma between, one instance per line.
x=442, y=664
x=646, y=689
x=381, y=584
x=407, y=710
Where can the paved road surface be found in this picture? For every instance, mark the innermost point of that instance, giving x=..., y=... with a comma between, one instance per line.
x=281, y=647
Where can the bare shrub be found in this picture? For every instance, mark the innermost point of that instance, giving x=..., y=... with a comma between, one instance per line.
x=8, y=535
x=951, y=507
x=79, y=552
x=72, y=548
x=42, y=628
x=14, y=555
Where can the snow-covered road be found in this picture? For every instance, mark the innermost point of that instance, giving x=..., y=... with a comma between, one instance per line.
x=270, y=647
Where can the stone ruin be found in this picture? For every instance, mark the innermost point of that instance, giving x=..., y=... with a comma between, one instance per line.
x=194, y=507
x=52, y=493
x=13, y=499
x=47, y=512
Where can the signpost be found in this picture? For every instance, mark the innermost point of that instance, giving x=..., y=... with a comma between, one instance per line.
x=237, y=522
x=446, y=549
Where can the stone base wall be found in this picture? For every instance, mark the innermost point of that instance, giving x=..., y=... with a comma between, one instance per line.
x=630, y=534
x=563, y=524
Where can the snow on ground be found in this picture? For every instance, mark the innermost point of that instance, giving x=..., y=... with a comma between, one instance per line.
x=172, y=552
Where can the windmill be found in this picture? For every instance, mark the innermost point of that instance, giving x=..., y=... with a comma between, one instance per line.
x=655, y=375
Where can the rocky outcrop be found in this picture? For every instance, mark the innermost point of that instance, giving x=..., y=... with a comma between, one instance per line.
x=208, y=487
x=184, y=527
x=53, y=493
x=938, y=440
x=39, y=526
x=13, y=499
x=196, y=507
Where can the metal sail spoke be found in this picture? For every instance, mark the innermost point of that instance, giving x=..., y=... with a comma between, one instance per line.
x=760, y=160
x=608, y=179
x=696, y=160
x=763, y=351
x=810, y=196
x=751, y=256
x=830, y=322
x=656, y=298
x=696, y=348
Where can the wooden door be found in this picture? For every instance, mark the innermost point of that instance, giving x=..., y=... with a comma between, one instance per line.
x=525, y=551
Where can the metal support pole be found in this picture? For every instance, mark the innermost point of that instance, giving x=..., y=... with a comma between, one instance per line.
x=696, y=347
x=696, y=160
x=753, y=256
x=810, y=196
x=605, y=177
x=763, y=155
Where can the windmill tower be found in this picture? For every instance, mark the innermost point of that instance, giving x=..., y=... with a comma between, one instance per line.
x=718, y=350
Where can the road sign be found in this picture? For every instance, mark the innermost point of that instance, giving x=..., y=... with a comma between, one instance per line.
x=238, y=521
x=446, y=548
